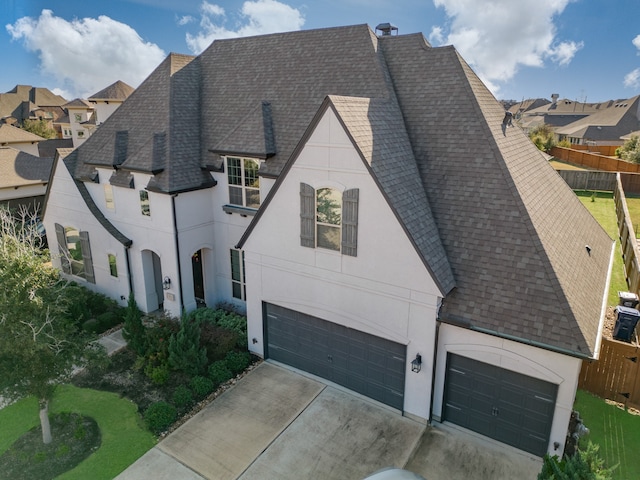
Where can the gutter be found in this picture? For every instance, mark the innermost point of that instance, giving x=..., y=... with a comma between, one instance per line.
x=603, y=313
x=177, y=243
x=128, y=260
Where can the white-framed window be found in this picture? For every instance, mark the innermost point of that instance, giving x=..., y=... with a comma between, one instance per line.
x=113, y=266
x=80, y=133
x=244, y=183
x=145, y=207
x=77, y=117
x=329, y=219
x=238, y=288
x=108, y=196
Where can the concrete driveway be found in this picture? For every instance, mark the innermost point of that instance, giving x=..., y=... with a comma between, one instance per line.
x=279, y=424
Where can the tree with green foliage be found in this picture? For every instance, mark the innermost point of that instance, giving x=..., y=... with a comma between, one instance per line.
x=584, y=465
x=630, y=151
x=134, y=331
x=185, y=352
x=40, y=344
x=543, y=137
x=40, y=128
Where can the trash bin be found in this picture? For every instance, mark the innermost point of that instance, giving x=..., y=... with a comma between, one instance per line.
x=628, y=299
x=626, y=321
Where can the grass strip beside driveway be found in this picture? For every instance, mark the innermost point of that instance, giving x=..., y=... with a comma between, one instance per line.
x=124, y=438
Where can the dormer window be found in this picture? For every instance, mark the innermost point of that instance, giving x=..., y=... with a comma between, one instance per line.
x=244, y=183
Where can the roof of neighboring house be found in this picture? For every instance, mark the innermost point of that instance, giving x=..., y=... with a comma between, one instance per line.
x=527, y=105
x=609, y=124
x=116, y=91
x=47, y=148
x=78, y=103
x=512, y=232
x=10, y=134
x=18, y=169
x=11, y=103
x=629, y=135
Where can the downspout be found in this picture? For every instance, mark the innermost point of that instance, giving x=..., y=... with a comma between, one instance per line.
x=433, y=372
x=177, y=242
x=128, y=260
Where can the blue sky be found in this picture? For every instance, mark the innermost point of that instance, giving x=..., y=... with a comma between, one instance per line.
x=581, y=49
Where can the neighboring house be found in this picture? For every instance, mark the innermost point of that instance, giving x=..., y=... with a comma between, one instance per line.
x=361, y=197
x=19, y=139
x=558, y=113
x=107, y=100
x=23, y=179
x=80, y=114
x=605, y=127
x=26, y=102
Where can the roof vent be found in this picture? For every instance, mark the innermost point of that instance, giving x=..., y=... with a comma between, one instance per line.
x=386, y=29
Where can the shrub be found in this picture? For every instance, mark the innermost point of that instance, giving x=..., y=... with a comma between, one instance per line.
x=219, y=372
x=237, y=361
x=185, y=352
x=182, y=397
x=158, y=375
x=159, y=416
x=92, y=325
x=134, y=331
x=107, y=320
x=217, y=341
x=225, y=318
x=584, y=465
x=630, y=151
x=201, y=386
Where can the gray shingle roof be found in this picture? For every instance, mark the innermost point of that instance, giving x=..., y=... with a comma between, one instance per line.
x=11, y=134
x=18, y=169
x=116, y=91
x=512, y=231
x=611, y=123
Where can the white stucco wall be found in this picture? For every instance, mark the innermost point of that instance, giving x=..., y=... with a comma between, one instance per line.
x=27, y=147
x=25, y=191
x=104, y=109
x=66, y=207
x=385, y=290
x=552, y=367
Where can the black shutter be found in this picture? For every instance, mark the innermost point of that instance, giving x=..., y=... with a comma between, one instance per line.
x=350, y=222
x=86, y=257
x=62, y=249
x=307, y=216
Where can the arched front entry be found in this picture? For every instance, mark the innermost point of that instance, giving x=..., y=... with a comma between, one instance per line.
x=152, y=273
x=198, y=278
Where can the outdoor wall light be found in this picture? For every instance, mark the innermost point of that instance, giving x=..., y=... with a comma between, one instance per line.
x=254, y=340
x=166, y=283
x=416, y=363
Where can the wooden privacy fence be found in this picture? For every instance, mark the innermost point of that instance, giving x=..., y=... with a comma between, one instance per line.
x=589, y=180
x=628, y=242
x=615, y=374
x=593, y=160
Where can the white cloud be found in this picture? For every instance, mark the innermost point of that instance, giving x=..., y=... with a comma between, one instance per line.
x=632, y=79
x=436, y=36
x=87, y=55
x=257, y=18
x=498, y=36
x=636, y=42
x=184, y=20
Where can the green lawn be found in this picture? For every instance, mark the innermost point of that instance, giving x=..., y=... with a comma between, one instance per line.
x=603, y=209
x=616, y=431
x=124, y=438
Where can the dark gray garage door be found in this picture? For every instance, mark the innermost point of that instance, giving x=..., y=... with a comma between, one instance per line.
x=510, y=407
x=367, y=364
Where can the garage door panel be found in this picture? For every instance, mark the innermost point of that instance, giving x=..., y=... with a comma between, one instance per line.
x=367, y=364
x=508, y=406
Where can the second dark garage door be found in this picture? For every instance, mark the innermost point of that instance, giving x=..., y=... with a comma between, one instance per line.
x=367, y=364
x=510, y=407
